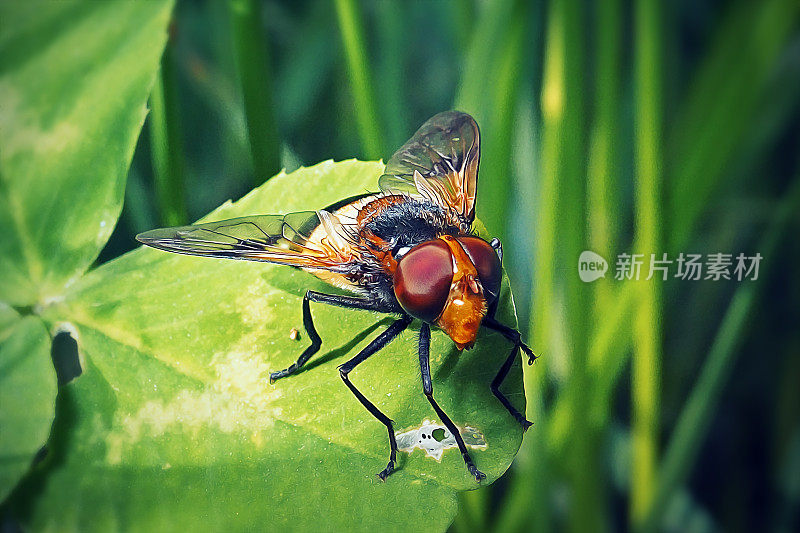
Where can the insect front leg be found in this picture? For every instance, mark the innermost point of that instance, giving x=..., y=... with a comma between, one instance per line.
x=514, y=336
x=344, y=370
x=427, y=388
x=349, y=302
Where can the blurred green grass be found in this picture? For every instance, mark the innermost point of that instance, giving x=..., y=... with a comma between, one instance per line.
x=615, y=127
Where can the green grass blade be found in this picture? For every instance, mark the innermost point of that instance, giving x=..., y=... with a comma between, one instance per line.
x=255, y=76
x=501, y=60
x=462, y=14
x=308, y=63
x=602, y=168
x=391, y=27
x=473, y=507
x=221, y=97
x=646, y=364
x=365, y=106
x=707, y=130
x=493, y=19
x=166, y=146
x=610, y=345
x=608, y=354
x=139, y=213
x=526, y=505
x=494, y=106
x=562, y=57
x=695, y=418
x=560, y=299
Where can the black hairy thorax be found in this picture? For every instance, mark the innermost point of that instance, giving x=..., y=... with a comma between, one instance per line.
x=407, y=224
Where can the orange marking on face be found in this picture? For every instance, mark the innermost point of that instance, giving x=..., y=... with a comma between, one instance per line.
x=466, y=304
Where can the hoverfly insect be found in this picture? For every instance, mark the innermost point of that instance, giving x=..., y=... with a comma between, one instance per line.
x=408, y=250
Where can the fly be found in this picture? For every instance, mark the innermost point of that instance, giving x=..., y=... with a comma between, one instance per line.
x=408, y=250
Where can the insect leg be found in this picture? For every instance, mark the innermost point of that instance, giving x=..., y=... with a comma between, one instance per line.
x=308, y=323
x=514, y=336
x=498, y=380
x=349, y=302
x=427, y=388
x=511, y=334
x=380, y=341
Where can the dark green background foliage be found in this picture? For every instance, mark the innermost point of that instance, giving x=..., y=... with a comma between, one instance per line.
x=607, y=126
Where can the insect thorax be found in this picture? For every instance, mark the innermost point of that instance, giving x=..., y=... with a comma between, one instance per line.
x=409, y=223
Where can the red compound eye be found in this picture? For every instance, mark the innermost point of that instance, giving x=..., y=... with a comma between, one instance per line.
x=423, y=278
x=486, y=262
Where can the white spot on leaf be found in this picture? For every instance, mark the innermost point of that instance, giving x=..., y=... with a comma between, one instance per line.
x=239, y=400
x=254, y=306
x=433, y=439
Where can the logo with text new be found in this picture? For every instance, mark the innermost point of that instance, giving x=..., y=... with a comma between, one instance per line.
x=591, y=266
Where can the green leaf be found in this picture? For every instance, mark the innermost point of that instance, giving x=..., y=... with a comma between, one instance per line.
x=74, y=79
x=176, y=423
x=27, y=394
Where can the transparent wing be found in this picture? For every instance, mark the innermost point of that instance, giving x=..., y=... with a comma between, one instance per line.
x=306, y=239
x=439, y=163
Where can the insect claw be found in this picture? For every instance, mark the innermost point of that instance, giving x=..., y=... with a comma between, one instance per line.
x=479, y=476
x=386, y=471
x=526, y=424
x=531, y=356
